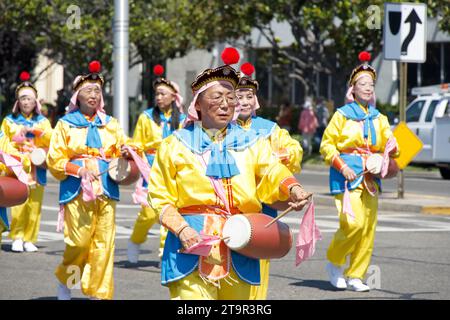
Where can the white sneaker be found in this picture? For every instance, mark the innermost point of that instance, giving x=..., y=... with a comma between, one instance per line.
x=29, y=247
x=64, y=292
x=133, y=251
x=17, y=245
x=336, y=277
x=357, y=285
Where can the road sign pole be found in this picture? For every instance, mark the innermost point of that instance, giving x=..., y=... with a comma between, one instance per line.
x=402, y=106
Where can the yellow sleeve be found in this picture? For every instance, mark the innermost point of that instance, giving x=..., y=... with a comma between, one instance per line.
x=271, y=174
x=57, y=157
x=162, y=185
x=281, y=142
x=147, y=133
x=7, y=147
x=386, y=133
x=330, y=139
x=43, y=141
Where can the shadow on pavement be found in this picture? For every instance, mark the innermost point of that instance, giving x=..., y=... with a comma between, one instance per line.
x=140, y=264
x=318, y=284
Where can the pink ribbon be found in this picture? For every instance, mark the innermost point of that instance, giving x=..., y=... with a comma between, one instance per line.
x=347, y=204
x=391, y=144
x=15, y=165
x=144, y=167
x=88, y=190
x=202, y=248
x=60, y=222
x=140, y=194
x=308, y=235
x=216, y=183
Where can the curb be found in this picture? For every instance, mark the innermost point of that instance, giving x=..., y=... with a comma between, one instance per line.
x=443, y=211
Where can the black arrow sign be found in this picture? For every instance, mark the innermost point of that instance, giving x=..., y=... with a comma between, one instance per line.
x=413, y=19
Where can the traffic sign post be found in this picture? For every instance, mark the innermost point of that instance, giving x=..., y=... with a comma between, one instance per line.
x=404, y=34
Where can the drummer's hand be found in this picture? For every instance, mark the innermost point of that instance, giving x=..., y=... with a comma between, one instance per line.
x=349, y=174
x=299, y=197
x=87, y=174
x=124, y=152
x=189, y=237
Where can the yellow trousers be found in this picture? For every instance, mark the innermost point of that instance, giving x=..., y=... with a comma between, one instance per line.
x=2, y=229
x=146, y=219
x=193, y=287
x=355, y=238
x=89, y=231
x=260, y=292
x=26, y=218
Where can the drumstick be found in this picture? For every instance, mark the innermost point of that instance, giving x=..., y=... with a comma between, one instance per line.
x=285, y=212
x=112, y=167
x=362, y=173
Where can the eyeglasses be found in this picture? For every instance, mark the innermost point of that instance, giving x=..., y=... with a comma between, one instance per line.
x=217, y=100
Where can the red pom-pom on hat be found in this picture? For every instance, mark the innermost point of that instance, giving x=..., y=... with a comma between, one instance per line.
x=158, y=70
x=95, y=66
x=230, y=56
x=248, y=69
x=364, y=56
x=24, y=76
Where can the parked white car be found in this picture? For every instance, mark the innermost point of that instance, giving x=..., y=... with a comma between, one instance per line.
x=428, y=116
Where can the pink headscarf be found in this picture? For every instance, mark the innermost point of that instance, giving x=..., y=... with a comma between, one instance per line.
x=349, y=95
x=178, y=97
x=192, y=115
x=100, y=109
x=27, y=91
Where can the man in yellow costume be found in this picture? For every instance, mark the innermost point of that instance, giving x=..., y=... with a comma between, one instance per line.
x=8, y=148
x=288, y=150
x=355, y=131
x=206, y=172
x=154, y=125
x=27, y=130
x=83, y=143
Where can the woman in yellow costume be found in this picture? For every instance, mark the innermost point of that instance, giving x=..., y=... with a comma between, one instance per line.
x=355, y=131
x=83, y=143
x=20, y=170
x=28, y=129
x=283, y=146
x=154, y=125
x=204, y=173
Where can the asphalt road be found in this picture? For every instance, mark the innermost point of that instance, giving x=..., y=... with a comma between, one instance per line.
x=411, y=259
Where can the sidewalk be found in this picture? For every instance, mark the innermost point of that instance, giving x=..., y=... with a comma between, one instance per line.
x=412, y=202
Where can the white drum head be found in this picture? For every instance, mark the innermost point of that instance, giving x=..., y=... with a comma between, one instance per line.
x=38, y=156
x=238, y=229
x=374, y=163
x=119, y=169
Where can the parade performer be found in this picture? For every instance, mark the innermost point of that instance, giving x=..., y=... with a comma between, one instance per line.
x=12, y=164
x=83, y=143
x=356, y=131
x=154, y=125
x=288, y=150
x=28, y=129
x=204, y=173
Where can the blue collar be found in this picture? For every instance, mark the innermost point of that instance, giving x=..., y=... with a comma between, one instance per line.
x=221, y=162
x=354, y=112
x=263, y=127
x=167, y=127
x=77, y=119
x=21, y=120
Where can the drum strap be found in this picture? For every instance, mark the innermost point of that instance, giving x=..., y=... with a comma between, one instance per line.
x=217, y=184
